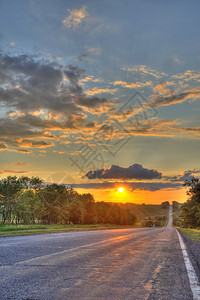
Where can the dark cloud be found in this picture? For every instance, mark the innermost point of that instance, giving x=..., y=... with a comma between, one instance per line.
x=74, y=74
x=92, y=102
x=29, y=84
x=135, y=171
x=13, y=131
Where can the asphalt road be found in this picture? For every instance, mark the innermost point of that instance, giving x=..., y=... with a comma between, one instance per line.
x=109, y=264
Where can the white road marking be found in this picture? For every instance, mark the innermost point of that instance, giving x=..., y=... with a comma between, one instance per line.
x=194, y=282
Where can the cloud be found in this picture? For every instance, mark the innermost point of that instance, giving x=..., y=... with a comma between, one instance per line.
x=39, y=99
x=37, y=112
x=17, y=113
x=161, y=89
x=14, y=172
x=41, y=85
x=87, y=56
x=33, y=144
x=24, y=127
x=188, y=75
x=142, y=69
x=152, y=127
x=66, y=142
x=3, y=147
x=75, y=18
x=186, y=175
x=83, y=57
x=20, y=164
x=23, y=151
x=135, y=171
x=96, y=90
x=132, y=85
x=187, y=130
x=159, y=100
x=90, y=79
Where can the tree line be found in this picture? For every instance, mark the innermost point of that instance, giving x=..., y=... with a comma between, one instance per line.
x=190, y=211
x=25, y=200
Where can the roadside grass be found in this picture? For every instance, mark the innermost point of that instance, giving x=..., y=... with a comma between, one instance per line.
x=14, y=230
x=194, y=234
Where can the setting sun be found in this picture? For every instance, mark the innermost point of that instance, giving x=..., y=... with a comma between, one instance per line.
x=120, y=189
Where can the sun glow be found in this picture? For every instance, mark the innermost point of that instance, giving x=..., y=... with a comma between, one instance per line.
x=121, y=189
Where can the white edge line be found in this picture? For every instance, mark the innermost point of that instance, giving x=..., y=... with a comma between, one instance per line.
x=193, y=279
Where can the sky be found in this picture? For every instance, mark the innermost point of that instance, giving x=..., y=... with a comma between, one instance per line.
x=101, y=94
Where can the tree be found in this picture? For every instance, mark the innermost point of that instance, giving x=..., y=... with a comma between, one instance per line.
x=55, y=199
x=190, y=211
x=9, y=189
x=13, y=202
x=90, y=208
x=165, y=204
x=29, y=208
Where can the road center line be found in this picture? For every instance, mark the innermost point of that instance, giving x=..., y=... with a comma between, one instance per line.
x=194, y=282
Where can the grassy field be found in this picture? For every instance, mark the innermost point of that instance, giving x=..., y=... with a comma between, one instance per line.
x=194, y=234
x=144, y=212
x=155, y=212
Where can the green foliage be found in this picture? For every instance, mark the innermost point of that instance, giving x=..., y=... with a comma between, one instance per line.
x=165, y=204
x=190, y=211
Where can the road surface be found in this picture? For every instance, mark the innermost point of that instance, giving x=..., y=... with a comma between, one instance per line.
x=144, y=263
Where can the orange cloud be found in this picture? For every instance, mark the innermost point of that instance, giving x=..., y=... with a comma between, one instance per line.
x=22, y=164
x=66, y=142
x=144, y=70
x=159, y=100
x=132, y=85
x=3, y=147
x=95, y=91
x=90, y=79
x=16, y=114
x=75, y=18
x=23, y=151
x=161, y=89
x=14, y=172
x=33, y=144
x=37, y=112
